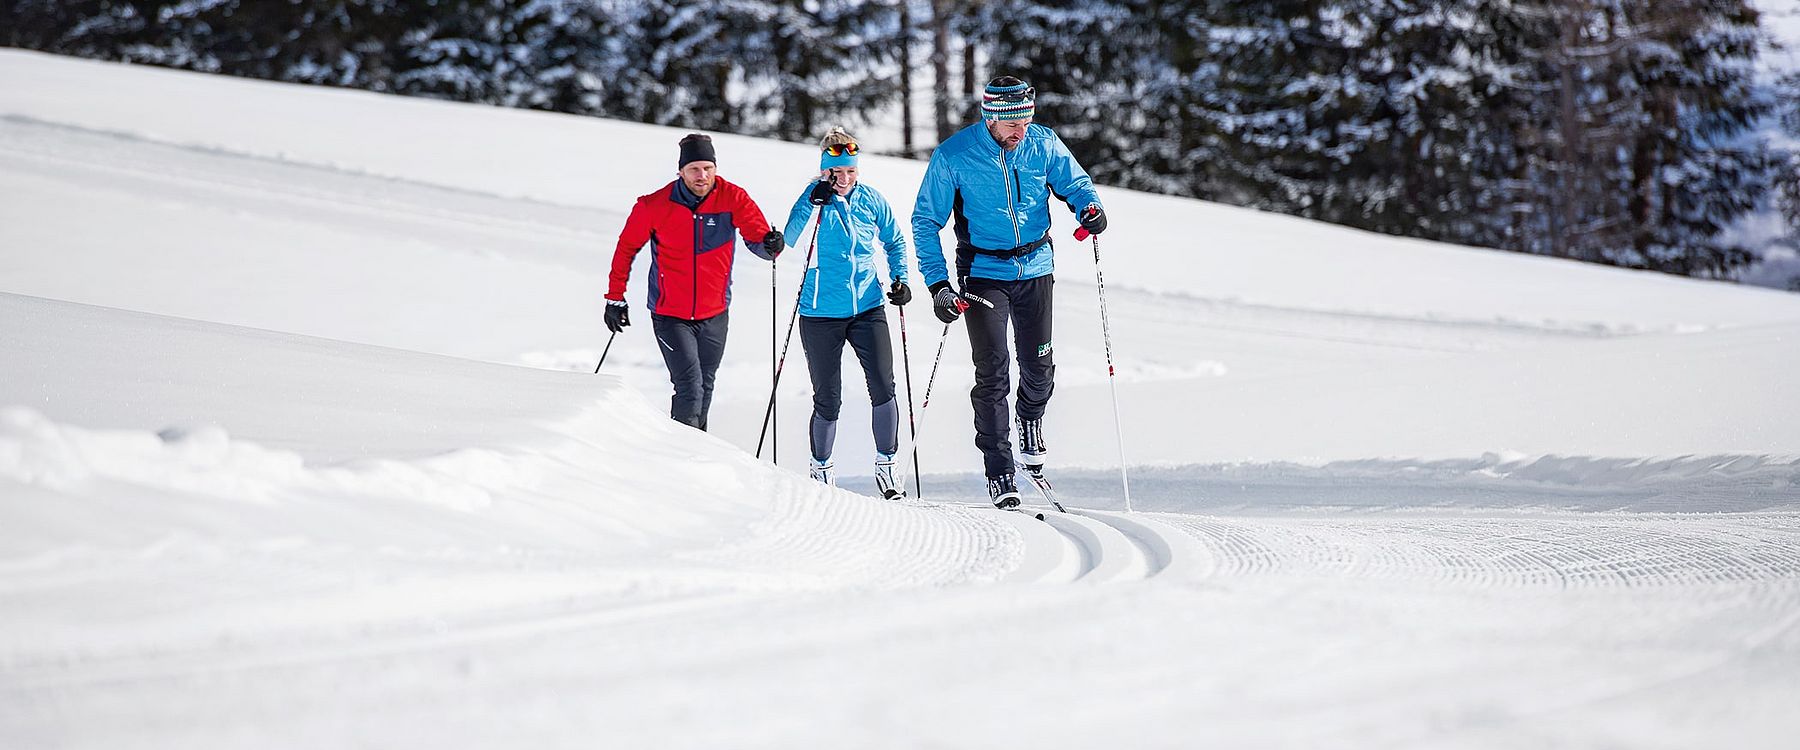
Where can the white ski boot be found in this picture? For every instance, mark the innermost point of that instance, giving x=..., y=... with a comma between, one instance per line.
x=887, y=479
x=823, y=473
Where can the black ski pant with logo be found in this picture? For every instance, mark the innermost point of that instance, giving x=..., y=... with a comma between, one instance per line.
x=1025, y=304
x=692, y=350
x=867, y=334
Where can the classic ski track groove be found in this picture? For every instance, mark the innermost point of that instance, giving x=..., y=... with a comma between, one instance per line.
x=1099, y=547
x=1569, y=551
x=1613, y=551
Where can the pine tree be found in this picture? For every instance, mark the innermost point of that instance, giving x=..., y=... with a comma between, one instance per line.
x=1693, y=172
x=680, y=62
x=578, y=53
x=1092, y=63
x=817, y=62
x=462, y=50
x=1785, y=167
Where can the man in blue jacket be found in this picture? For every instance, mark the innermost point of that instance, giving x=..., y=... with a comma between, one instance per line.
x=996, y=178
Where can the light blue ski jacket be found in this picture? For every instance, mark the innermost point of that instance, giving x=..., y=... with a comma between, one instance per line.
x=1001, y=202
x=843, y=281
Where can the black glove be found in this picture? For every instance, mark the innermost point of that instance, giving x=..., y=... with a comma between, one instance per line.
x=618, y=317
x=946, y=302
x=772, y=243
x=821, y=193
x=1093, y=219
x=899, y=293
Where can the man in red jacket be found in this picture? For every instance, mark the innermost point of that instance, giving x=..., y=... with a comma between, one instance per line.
x=689, y=223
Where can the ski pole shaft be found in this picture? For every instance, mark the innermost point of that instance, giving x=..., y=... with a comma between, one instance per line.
x=1111, y=375
x=967, y=298
x=945, y=336
x=775, y=365
x=769, y=412
x=604, y=352
x=936, y=360
x=912, y=421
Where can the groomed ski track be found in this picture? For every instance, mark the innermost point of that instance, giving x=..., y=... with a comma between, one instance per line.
x=1095, y=546
x=1471, y=549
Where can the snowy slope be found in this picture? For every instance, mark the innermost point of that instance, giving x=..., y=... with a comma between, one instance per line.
x=483, y=233
x=1398, y=493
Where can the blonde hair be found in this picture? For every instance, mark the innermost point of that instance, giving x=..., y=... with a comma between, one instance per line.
x=837, y=137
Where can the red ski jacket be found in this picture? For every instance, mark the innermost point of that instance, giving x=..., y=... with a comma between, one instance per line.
x=690, y=260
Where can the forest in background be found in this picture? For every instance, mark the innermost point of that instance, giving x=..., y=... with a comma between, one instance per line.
x=1625, y=132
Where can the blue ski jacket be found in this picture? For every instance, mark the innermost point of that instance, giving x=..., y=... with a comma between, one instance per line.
x=842, y=281
x=1001, y=202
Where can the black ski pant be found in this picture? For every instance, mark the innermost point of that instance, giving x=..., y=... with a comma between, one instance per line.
x=867, y=334
x=692, y=350
x=1026, y=305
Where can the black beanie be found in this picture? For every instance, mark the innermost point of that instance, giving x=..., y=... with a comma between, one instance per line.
x=696, y=147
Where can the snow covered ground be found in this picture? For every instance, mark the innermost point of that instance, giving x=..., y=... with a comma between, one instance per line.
x=271, y=473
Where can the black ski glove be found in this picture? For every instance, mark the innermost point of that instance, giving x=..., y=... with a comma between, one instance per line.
x=1093, y=219
x=821, y=193
x=899, y=293
x=772, y=243
x=946, y=302
x=618, y=316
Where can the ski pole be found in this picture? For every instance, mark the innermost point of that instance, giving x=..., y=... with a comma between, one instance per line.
x=912, y=422
x=774, y=362
x=603, y=352
x=945, y=336
x=940, y=350
x=769, y=413
x=1111, y=376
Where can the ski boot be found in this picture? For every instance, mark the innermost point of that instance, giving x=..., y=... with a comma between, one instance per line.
x=887, y=480
x=1003, y=492
x=823, y=472
x=1032, y=450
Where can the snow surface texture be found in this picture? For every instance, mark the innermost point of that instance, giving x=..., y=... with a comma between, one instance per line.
x=1389, y=493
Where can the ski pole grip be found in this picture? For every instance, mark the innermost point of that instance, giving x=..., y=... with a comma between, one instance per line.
x=1081, y=234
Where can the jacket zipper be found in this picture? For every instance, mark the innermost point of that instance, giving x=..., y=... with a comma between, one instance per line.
x=1012, y=211
x=850, y=236
x=694, y=310
x=818, y=261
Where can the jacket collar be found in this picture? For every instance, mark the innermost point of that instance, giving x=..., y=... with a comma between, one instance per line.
x=679, y=193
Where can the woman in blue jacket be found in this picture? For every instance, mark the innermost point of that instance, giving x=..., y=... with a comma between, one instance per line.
x=840, y=303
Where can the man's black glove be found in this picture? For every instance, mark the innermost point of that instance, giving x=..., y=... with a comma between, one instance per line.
x=946, y=302
x=772, y=243
x=821, y=193
x=899, y=293
x=618, y=317
x=1093, y=219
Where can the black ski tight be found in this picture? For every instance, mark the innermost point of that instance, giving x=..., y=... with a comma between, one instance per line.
x=867, y=334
